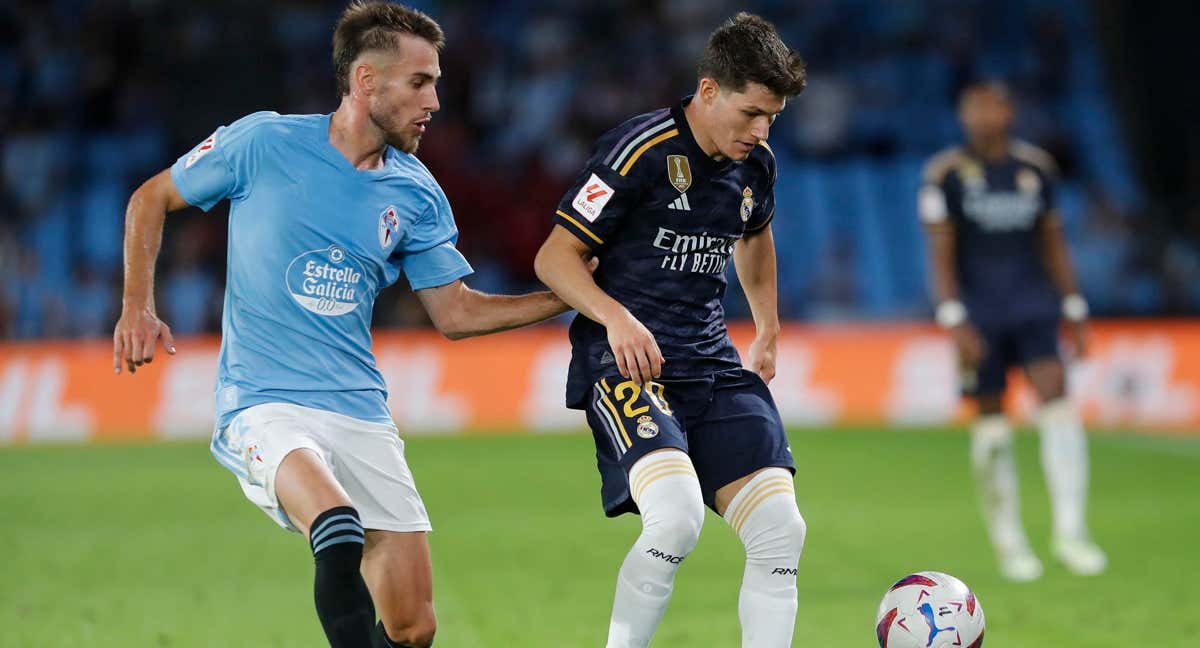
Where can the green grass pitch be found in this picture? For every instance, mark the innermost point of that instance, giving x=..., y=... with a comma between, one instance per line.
x=154, y=545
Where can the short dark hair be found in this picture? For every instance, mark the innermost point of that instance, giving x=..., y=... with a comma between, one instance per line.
x=999, y=86
x=373, y=25
x=747, y=48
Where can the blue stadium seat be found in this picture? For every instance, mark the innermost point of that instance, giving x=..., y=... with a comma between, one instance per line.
x=861, y=212
x=100, y=223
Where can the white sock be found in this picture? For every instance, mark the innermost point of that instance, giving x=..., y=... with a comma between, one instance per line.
x=765, y=517
x=996, y=476
x=1065, y=462
x=665, y=488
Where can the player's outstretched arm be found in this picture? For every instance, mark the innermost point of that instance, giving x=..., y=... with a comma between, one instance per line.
x=1057, y=260
x=754, y=260
x=138, y=331
x=460, y=312
x=563, y=264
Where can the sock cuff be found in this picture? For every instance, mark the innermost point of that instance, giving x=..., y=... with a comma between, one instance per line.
x=1060, y=411
x=656, y=466
x=339, y=525
x=992, y=428
x=772, y=481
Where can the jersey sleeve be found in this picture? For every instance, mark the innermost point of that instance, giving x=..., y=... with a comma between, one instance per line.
x=427, y=252
x=935, y=198
x=223, y=165
x=597, y=203
x=762, y=209
x=1038, y=168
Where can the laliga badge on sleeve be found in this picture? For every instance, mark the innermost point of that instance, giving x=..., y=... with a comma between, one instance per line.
x=592, y=197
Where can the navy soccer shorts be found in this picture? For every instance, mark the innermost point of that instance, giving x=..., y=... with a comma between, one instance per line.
x=1010, y=345
x=727, y=423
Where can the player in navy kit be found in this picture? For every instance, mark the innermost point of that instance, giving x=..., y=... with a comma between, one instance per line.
x=665, y=201
x=1002, y=279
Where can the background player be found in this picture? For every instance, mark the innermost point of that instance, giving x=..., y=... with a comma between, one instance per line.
x=664, y=201
x=1001, y=277
x=326, y=211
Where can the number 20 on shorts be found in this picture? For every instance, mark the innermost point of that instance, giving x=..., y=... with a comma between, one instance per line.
x=627, y=393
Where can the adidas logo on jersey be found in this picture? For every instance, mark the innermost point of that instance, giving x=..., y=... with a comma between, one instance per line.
x=680, y=203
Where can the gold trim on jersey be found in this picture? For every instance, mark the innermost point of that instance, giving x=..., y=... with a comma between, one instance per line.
x=1038, y=157
x=941, y=164
x=645, y=147
x=579, y=225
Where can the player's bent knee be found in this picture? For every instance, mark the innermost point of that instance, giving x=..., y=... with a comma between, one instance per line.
x=792, y=530
x=682, y=525
x=675, y=515
x=777, y=534
x=667, y=492
x=766, y=519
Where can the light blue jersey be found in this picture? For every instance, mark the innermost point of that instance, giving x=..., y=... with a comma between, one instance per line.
x=312, y=241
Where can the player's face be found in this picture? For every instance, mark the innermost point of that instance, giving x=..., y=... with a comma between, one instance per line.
x=741, y=119
x=986, y=113
x=405, y=95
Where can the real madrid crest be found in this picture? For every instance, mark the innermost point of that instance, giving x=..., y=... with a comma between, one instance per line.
x=646, y=427
x=747, y=204
x=679, y=172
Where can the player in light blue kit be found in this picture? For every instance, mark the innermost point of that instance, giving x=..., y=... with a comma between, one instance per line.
x=327, y=210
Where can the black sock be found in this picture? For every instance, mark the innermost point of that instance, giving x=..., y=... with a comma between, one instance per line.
x=382, y=640
x=343, y=602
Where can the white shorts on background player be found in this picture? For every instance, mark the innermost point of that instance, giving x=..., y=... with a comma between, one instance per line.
x=366, y=458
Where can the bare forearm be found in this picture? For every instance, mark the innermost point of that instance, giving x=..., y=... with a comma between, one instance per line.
x=941, y=263
x=567, y=274
x=754, y=260
x=144, y=218
x=482, y=313
x=1057, y=259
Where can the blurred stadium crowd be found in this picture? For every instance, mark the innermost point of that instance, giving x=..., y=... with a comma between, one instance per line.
x=96, y=95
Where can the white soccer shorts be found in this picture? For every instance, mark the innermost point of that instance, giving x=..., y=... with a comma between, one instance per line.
x=366, y=458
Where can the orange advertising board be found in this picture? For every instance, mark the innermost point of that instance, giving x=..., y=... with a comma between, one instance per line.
x=1138, y=375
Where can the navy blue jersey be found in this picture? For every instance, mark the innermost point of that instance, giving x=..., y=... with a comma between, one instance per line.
x=996, y=209
x=663, y=217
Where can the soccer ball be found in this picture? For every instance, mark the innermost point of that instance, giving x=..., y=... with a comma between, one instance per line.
x=929, y=610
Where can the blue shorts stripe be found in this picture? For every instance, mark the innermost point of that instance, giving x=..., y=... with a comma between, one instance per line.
x=231, y=464
x=228, y=452
x=226, y=455
x=220, y=440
